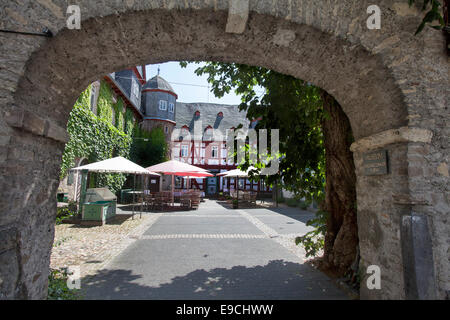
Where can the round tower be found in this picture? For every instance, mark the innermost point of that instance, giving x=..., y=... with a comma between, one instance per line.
x=159, y=102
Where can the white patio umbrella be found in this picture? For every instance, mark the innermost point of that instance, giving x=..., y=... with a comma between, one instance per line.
x=237, y=173
x=117, y=165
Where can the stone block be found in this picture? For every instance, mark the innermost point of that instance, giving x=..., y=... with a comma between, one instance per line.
x=33, y=123
x=237, y=16
x=14, y=118
x=9, y=274
x=7, y=239
x=56, y=132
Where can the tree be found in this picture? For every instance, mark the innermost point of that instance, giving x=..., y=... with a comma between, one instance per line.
x=432, y=15
x=148, y=148
x=315, y=136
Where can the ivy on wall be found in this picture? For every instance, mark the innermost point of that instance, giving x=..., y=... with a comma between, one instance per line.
x=95, y=137
x=118, y=113
x=104, y=103
x=129, y=122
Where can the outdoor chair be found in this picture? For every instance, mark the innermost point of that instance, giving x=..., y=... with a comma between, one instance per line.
x=185, y=201
x=195, y=200
x=160, y=201
x=253, y=198
x=149, y=200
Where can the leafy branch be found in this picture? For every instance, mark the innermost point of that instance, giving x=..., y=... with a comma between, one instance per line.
x=434, y=14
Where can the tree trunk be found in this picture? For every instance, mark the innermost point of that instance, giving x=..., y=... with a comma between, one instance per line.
x=341, y=238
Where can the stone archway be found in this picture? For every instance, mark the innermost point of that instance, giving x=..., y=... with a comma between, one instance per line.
x=391, y=88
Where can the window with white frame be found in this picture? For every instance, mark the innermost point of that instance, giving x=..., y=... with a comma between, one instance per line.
x=214, y=151
x=162, y=105
x=184, y=151
x=171, y=107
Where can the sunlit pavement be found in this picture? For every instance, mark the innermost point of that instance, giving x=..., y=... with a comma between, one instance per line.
x=215, y=253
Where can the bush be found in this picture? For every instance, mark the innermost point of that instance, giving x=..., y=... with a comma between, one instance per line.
x=281, y=200
x=313, y=241
x=303, y=205
x=57, y=286
x=65, y=212
x=291, y=202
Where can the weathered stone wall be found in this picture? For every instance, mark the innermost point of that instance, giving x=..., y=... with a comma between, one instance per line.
x=384, y=79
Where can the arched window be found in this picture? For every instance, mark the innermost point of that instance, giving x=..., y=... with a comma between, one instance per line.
x=197, y=114
x=220, y=114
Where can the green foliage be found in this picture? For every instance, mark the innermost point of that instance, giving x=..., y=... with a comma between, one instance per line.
x=291, y=202
x=64, y=213
x=119, y=120
x=313, y=241
x=291, y=105
x=57, y=286
x=434, y=14
x=95, y=138
x=303, y=205
x=61, y=241
x=148, y=148
x=104, y=103
x=129, y=122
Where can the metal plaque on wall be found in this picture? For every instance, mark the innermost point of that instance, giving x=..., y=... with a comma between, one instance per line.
x=375, y=163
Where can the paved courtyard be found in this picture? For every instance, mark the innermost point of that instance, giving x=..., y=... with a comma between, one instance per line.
x=214, y=253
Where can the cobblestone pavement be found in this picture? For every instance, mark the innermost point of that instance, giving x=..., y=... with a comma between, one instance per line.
x=214, y=253
x=90, y=247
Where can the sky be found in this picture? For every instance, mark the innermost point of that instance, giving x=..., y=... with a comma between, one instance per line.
x=187, y=85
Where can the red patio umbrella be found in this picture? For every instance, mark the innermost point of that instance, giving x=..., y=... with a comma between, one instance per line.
x=178, y=168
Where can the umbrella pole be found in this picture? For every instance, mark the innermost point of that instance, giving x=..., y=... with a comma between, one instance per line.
x=134, y=189
x=142, y=199
x=237, y=194
x=173, y=190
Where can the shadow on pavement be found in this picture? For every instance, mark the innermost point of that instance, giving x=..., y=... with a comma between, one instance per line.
x=278, y=279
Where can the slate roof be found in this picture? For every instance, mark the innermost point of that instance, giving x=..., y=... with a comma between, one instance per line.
x=158, y=82
x=209, y=116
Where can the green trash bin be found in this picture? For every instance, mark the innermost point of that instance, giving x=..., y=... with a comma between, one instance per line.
x=100, y=211
x=99, y=206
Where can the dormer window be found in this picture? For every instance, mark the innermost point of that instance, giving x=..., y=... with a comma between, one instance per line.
x=171, y=107
x=163, y=105
x=208, y=133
